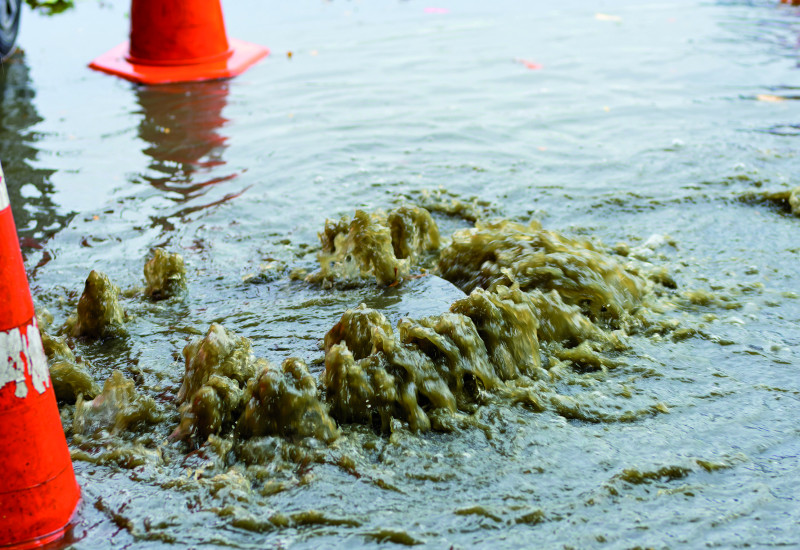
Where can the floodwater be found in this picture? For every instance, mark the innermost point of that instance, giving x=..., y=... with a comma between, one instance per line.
x=635, y=122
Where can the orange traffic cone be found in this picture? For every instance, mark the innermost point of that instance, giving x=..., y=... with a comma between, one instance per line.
x=39, y=493
x=178, y=41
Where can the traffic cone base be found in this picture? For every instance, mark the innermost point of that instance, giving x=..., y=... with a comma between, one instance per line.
x=119, y=62
x=41, y=541
x=39, y=494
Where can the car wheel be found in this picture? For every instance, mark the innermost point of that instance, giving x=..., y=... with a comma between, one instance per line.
x=9, y=25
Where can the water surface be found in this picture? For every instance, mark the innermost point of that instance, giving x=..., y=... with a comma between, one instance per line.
x=649, y=119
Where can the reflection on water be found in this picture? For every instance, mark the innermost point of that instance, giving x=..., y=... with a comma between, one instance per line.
x=181, y=125
x=29, y=187
x=776, y=32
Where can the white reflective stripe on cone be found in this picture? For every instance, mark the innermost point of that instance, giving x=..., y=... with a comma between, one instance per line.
x=3, y=192
x=16, y=351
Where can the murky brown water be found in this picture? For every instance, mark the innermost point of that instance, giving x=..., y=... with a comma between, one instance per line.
x=660, y=412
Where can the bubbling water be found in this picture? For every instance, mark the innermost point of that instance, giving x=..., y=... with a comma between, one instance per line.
x=541, y=309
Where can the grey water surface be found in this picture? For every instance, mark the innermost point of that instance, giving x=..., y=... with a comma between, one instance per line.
x=636, y=119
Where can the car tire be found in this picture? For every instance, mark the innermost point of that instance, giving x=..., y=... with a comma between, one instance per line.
x=10, y=11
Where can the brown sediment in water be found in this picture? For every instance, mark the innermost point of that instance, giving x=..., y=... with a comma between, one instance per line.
x=356, y=328
x=379, y=246
x=498, y=316
x=671, y=472
x=450, y=204
x=99, y=313
x=432, y=372
x=563, y=323
x=788, y=199
x=69, y=376
x=285, y=402
x=413, y=232
x=531, y=292
x=507, y=253
x=252, y=429
x=540, y=305
x=165, y=274
x=663, y=277
x=211, y=397
x=119, y=407
x=226, y=387
x=706, y=298
x=428, y=368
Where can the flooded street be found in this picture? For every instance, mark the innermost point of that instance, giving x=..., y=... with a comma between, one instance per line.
x=653, y=406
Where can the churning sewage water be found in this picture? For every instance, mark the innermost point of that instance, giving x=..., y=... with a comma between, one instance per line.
x=588, y=338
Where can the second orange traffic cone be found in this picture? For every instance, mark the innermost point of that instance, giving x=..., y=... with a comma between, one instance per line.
x=178, y=41
x=39, y=493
